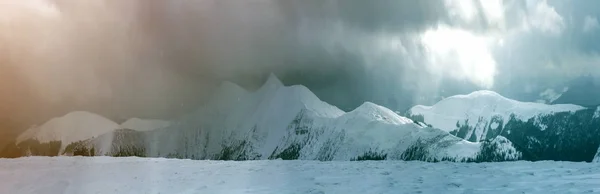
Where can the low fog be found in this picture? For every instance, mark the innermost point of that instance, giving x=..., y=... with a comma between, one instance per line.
x=160, y=59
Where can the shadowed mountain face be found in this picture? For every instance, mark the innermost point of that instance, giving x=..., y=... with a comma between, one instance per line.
x=584, y=91
x=273, y=122
x=276, y=121
x=539, y=131
x=563, y=136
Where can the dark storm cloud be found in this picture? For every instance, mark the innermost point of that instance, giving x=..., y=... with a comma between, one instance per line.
x=533, y=62
x=174, y=52
x=158, y=58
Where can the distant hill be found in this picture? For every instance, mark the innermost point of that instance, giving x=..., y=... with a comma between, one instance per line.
x=584, y=91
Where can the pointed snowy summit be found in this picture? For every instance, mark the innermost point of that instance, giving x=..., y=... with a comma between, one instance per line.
x=273, y=81
x=373, y=111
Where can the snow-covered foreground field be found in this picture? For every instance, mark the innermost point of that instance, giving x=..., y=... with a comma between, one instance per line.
x=147, y=175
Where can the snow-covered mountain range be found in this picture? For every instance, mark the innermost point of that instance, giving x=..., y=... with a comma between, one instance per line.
x=540, y=131
x=70, y=128
x=482, y=110
x=289, y=123
x=78, y=126
x=292, y=123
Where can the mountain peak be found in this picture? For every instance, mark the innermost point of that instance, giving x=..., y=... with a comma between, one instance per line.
x=484, y=93
x=272, y=83
x=273, y=80
x=72, y=127
x=377, y=112
x=481, y=94
x=584, y=91
x=484, y=105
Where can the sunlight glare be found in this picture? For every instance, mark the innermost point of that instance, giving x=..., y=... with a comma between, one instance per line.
x=460, y=53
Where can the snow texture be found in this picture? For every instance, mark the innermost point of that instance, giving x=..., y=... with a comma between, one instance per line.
x=66, y=175
x=479, y=107
x=597, y=158
x=70, y=128
x=597, y=115
x=277, y=119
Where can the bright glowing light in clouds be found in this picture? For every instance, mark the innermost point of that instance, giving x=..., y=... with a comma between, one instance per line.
x=464, y=9
x=544, y=17
x=461, y=54
x=470, y=10
x=493, y=11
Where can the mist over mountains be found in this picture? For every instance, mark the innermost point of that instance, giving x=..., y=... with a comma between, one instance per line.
x=162, y=59
x=584, y=91
x=290, y=122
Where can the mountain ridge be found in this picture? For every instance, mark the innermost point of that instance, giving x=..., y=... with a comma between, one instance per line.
x=540, y=131
x=290, y=122
x=482, y=104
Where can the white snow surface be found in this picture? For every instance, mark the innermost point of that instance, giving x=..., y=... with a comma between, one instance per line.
x=66, y=175
x=485, y=104
x=144, y=124
x=265, y=120
x=72, y=127
x=597, y=113
x=597, y=158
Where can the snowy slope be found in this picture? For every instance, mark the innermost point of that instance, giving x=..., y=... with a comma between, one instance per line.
x=479, y=109
x=127, y=135
x=144, y=124
x=75, y=175
x=597, y=158
x=273, y=122
x=70, y=128
x=597, y=116
x=291, y=122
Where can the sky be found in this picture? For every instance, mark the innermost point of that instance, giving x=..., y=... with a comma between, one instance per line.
x=158, y=59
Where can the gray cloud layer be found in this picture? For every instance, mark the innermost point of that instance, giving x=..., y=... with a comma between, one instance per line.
x=159, y=58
